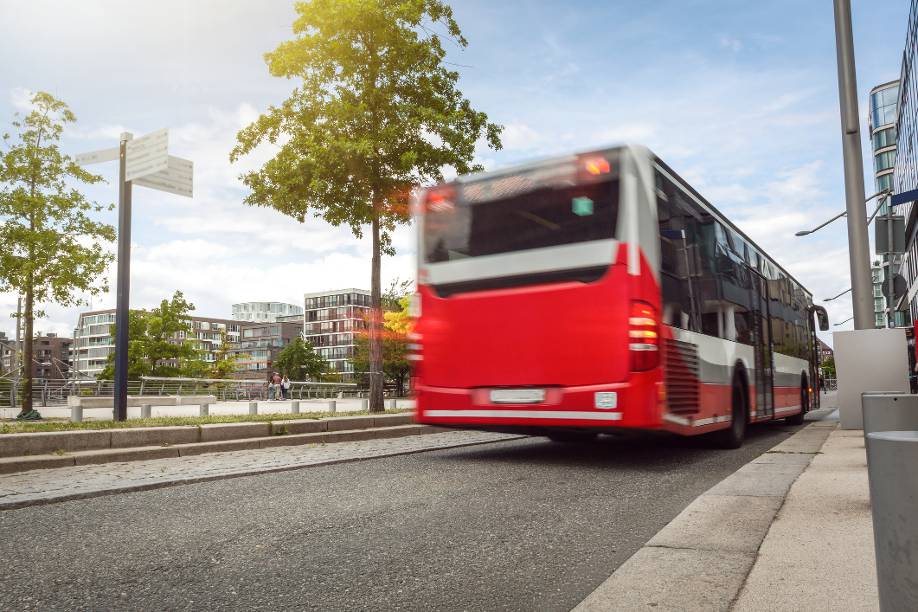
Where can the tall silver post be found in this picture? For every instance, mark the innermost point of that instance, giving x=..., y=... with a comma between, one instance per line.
x=124, y=284
x=17, y=355
x=858, y=245
x=891, y=318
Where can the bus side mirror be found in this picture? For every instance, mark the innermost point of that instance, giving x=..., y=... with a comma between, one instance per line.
x=823, y=318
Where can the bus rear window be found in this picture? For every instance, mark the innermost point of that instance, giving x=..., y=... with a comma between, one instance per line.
x=547, y=216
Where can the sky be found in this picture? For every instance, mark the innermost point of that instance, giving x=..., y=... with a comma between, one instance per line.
x=740, y=98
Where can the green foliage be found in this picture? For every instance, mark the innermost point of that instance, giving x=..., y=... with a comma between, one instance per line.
x=52, y=249
x=159, y=344
x=828, y=367
x=374, y=113
x=396, y=367
x=300, y=361
x=226, y=363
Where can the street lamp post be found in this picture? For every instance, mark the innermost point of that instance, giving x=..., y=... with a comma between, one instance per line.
x=837, y=296
x=858, y=245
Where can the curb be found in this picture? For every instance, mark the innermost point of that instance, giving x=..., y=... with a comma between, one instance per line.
x=18, y=445
x=9, y=465
x=700, y=560
x=250, y=472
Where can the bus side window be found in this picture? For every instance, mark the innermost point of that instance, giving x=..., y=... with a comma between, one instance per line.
x=677, y=254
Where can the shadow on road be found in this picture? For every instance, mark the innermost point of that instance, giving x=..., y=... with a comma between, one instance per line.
x=649, y=452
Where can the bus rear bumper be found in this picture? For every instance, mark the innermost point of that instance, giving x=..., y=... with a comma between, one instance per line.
x=632, y=404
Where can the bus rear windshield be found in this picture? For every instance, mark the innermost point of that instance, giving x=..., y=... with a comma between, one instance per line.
x=546, y=216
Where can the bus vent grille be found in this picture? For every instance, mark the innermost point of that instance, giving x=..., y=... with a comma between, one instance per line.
x=681, y=376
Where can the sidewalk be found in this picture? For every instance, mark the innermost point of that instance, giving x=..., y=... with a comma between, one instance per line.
x=790, y=530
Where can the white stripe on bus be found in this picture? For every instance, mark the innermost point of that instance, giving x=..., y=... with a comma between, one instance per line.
x=526, y=414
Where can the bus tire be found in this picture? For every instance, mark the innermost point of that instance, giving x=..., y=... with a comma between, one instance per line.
x=572, y=436
x=733, y=436
x=797, y=419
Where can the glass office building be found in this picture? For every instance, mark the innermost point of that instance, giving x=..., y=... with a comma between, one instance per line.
x=905, y=177
x=881, y=120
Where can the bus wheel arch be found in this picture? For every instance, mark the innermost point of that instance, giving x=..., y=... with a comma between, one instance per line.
x=797, y=419
x=733, y=436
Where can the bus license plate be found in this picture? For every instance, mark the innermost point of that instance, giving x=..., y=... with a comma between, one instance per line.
x=517, y=396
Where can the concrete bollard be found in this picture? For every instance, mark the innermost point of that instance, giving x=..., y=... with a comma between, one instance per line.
x=891, y=460
x=76, y=414
x=332, y=405
x=889, y=412
x=392, y=404
x=295, y=407
x=364, y=404
x=204, y=410
x=253, y=407
x=146, y=411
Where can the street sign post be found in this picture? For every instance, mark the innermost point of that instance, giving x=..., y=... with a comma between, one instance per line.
x=147, y=155
x=146, y=162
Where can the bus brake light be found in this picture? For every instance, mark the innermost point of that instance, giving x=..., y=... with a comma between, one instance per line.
x=643, y=337
x=596, y=165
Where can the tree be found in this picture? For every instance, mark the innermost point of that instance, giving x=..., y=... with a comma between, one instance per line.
x=225, y=362
x=52, y=249
x=397, y=325
x=300, y=361
x=828, y=366
x=159, y=344
x=375, y=114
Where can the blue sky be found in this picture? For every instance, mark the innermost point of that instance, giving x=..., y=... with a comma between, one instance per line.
x=739, y=97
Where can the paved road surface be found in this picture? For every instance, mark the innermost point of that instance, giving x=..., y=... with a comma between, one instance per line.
x=515, y=525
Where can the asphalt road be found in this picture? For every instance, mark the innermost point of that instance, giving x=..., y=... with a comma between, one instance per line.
x=521, y=525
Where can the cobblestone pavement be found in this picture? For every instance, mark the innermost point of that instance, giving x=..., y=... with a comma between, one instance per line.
x=49, y=485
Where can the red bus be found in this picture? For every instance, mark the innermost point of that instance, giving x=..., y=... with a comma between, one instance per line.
x=599, y=292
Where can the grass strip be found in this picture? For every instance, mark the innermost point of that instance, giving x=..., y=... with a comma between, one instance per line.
x=15, y=427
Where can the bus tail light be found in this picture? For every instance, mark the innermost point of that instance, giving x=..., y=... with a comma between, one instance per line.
x=643, y=337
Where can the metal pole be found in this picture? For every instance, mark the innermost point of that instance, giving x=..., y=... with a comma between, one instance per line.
x=891, y=320
x=124, y=284
x=17, y=367
x=858, y=245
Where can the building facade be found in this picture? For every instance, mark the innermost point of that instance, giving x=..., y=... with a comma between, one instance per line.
x=332, y=319
x=264, y=312
x=905, y=177
x=50, y=356
x=93, y=341
x=881, y=121
x=260, y=344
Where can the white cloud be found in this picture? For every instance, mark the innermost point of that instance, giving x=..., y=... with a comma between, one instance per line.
x=519, y=136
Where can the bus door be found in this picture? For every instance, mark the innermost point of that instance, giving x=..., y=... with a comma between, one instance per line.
x=763, y=347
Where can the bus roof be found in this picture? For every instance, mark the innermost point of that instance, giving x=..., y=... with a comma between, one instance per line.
x=548, y=161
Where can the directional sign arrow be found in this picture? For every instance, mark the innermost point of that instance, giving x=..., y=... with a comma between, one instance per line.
x=147, y=155
x=96, y=157
x=178, y=178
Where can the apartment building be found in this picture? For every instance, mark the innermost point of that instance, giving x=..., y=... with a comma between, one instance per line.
x=331, y=320
x=93, y=341
x=50, y=355
x=260, y=344
x=264, y=312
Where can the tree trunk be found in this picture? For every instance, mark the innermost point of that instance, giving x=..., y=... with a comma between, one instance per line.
x=376, y=361
x=26, y=349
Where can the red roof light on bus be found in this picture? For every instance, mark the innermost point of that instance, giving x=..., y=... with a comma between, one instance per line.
x=596, y=165
x=441, y=200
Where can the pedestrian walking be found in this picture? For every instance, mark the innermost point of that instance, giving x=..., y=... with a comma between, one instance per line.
x=276, y=384
x=285, y=386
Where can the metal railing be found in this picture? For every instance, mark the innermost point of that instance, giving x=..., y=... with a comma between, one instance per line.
x=54, y=392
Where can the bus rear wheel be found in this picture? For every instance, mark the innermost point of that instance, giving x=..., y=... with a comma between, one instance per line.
x=733, y=436
x=797, y=419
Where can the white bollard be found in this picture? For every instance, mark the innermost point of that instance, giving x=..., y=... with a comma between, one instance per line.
x=364, y=404
x=204, y=410
x=253, y=407
x=332, y=404
x=295, y=407
x=146, y=411
x=76, y=414
x=392, y=404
